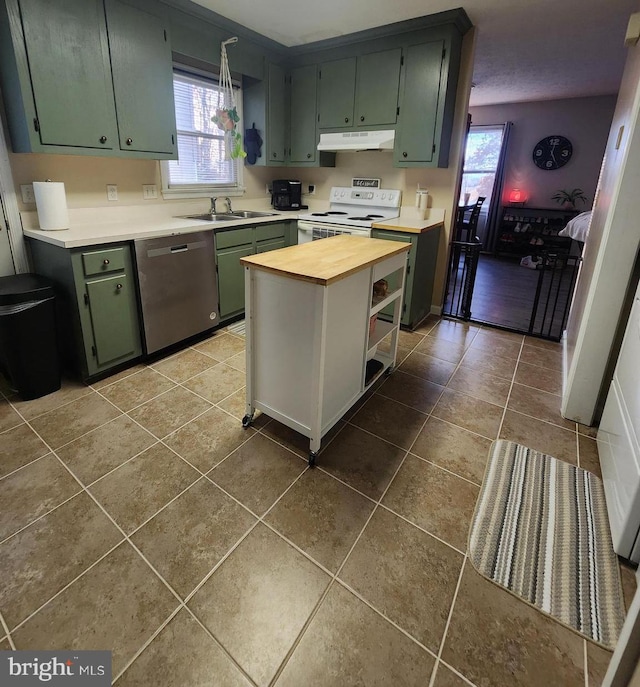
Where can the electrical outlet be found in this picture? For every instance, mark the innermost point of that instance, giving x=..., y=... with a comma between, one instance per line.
x=27, y=193
x=267, y=189
x=149, y=191
x=312, y=189
x=112, y=192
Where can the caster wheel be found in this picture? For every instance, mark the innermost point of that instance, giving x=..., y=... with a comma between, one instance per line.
x=388, y=371
x=312, y=459
x=247, y=420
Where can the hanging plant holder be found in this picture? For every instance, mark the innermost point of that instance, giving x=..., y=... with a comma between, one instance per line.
x=226, y=117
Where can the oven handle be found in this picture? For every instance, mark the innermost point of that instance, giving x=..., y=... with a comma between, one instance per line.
x=306, y=226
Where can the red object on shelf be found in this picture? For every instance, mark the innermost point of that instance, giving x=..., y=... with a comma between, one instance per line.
x=516, y=196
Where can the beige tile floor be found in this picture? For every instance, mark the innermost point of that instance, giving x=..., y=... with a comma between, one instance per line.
x=138, y=516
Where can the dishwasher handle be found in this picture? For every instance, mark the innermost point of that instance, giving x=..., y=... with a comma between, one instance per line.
x=179, y=248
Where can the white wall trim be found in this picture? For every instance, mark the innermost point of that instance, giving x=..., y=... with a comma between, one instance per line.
x=10, y=205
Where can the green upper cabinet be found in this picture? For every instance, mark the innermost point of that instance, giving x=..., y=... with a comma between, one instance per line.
x=303, y=140
x=56, y=61
x=276, y=114
x=264, y=104
x=427, y=103
x=377, y=79
x=142, y=79
x=360, y=91
x=66, y=52
x=337, y=93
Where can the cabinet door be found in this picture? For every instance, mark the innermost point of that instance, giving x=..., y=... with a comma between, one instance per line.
x=266, y=246
x=419, y=98
x=113, y=318
x=378, y=79
x=231, y=279
x=408, y=286
x=276, y=114
x=142, y=79
x=66, y=44
x=303, y=114
x=337, y=86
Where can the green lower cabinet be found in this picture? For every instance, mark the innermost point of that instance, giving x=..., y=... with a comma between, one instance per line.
x=421, y=267
x=233, y=244
x=112, y=325
x=231, y=279
x=108, y=307
x=274, y=244
x=97, y=304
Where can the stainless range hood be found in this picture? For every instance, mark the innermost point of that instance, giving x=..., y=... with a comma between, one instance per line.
x=352, y=141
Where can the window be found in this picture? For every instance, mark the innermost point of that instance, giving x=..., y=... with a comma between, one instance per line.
x=201, y=168
x=481, y=161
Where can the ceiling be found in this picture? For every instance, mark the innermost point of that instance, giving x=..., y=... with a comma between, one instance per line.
x=545, y=50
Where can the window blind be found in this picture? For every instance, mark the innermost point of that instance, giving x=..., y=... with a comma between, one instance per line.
x=201, y=155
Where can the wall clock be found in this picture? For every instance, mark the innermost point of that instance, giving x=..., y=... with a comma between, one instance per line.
x=552, y=152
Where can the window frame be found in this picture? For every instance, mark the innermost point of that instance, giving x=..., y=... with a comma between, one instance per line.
x=470, y=171
x=204, y=190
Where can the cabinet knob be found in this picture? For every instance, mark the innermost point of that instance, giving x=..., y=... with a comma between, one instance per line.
x=274, y=154
x=118, y=287
x=405, y=154
x=129, y=141
x=362, y=118
x=309, y=156
x=346, y=119
x=105, y=261
x=103, y=139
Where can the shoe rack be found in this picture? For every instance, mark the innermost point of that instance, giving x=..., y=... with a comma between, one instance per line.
x=529, y=231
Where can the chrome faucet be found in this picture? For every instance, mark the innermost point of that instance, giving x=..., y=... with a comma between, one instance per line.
x=212, y=210
x=228, y=202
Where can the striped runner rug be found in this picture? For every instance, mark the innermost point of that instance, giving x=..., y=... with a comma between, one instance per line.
x=540, y=530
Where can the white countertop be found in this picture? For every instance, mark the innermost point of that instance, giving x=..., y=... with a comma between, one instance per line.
x=95, y=226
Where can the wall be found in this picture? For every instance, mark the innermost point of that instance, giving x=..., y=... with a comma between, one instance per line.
x=584, y=121
x=609, y=257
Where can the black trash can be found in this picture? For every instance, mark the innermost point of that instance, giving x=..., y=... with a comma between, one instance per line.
x=28, y=344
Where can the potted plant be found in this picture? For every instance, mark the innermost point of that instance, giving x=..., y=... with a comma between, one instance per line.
x=568, y=199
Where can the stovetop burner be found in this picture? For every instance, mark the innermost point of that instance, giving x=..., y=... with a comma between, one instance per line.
x=366, y=217
x=329, y=212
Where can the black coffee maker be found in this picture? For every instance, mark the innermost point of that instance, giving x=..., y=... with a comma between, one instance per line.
x=286, y=194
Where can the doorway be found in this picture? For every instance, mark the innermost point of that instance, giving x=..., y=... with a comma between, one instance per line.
x=514, y=271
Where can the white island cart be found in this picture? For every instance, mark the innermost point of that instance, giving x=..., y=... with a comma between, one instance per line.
x=312, y=339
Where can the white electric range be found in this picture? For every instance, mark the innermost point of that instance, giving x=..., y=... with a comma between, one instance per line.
x=351, y=211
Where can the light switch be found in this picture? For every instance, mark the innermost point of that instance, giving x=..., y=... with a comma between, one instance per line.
x=149, y=191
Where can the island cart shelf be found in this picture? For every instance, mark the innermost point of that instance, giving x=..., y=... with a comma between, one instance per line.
x=312, y=330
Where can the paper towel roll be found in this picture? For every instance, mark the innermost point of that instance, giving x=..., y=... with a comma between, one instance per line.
x=51, y=204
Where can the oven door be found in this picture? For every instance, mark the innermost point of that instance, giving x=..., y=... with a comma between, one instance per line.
x=312, y=231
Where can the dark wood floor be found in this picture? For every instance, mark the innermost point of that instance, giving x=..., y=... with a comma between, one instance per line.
x=504, y=295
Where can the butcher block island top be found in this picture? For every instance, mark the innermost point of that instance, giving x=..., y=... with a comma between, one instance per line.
x=328, y=260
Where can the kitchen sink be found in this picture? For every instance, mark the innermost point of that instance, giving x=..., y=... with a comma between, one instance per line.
x=248, y=214
x=209, y=217
x=228, y=216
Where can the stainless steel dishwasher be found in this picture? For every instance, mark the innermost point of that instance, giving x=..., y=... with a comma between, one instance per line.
x=178, y=288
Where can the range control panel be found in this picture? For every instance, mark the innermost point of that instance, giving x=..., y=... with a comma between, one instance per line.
x=378, y=197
